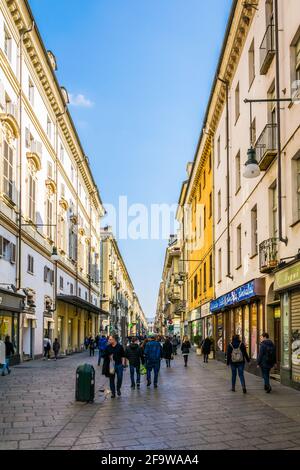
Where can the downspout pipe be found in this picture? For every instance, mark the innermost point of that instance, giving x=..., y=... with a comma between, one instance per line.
x=279, y=172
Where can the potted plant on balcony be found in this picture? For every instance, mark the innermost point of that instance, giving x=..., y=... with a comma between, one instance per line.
x=197, y=342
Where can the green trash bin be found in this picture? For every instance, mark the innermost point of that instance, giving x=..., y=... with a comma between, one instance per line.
x=85, y=383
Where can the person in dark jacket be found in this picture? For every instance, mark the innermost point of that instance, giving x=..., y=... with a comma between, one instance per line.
x=266, y=359
x=9, y=351
x=174, y=344
x=206, y=348
x=92, y=346
x=167, y=351
x=143, y=345
x=185, y=349
x=236, y=356
x=153, y=355
x=133, y=353
x=56, y=348
x=115, y=352
x=102, y=343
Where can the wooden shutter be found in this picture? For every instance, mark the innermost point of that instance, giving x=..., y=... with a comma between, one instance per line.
x=45, y=273
x=12, y=253
x=52, y=276
x=295, y=321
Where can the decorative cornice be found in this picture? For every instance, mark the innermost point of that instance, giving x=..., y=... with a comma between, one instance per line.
x=51, y=185
x=12, y=127
x=35, y=159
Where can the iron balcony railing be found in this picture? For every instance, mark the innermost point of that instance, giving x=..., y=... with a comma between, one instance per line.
x=268, y=255
x=266, y=146
x=267, y=49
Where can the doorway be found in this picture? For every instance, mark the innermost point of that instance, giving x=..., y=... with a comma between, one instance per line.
x=277, y=335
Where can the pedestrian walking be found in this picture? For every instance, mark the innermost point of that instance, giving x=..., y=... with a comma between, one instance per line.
x=56, y=348
x=102, y=343
x=206, y=348
x=143, y=345
x=47, y=347
x=174, y=345
x=133, y=353
x=9, y=351
x=167, y=351
x=153, y=355
x=92, y=346
x=185, y=349
x=266, y=359
x=86, y=343
x=114, y=363
x=236, y=356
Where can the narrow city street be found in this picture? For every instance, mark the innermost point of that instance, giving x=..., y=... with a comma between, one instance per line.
x=193, y=408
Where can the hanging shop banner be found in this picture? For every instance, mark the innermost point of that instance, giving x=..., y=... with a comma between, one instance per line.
x=205, y=310
x=196, y=314
x=244, y=292
x=287, y=277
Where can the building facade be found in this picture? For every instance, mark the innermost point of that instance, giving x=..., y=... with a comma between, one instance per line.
x=118, y=298
x=50, y=207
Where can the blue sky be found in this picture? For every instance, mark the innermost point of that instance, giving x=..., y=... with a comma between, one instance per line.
x=140, y=73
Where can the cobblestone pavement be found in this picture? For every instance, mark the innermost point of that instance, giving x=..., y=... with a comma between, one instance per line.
x=193, y=408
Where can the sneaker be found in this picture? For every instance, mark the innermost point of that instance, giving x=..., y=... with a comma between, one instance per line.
x=233, y=389
x=155, y=385
x=148, y=383
x=269, y=389
x=132, y=385
x=137, y=385
x=119, y=393
x=244, y=390
x=113, y=395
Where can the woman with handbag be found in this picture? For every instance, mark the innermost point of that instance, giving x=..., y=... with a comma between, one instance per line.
x=168, y=351
x=185, y=349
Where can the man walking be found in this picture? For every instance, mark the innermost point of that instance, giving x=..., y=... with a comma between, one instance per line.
x=174, y=345
x=9, y=351
x=266, y=359
x=153, y=355
x=114, y=356
x=133, y=353
x=56, y=348
x=47, y=347
x=102, y=343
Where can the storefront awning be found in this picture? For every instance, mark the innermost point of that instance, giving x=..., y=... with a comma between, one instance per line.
x=11, y=301
x=80, y=303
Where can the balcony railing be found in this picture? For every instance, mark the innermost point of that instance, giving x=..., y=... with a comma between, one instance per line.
x=266, y=146
x=268, y=255
x=267, y=49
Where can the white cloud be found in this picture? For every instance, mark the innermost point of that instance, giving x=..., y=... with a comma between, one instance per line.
x=80, y=100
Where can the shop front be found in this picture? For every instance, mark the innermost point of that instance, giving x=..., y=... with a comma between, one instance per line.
x=207, y=319
x=196, y=325
x=11, y=306
x=240, y=312
x=287, y=284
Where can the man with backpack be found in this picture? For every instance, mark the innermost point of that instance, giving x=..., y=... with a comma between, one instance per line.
x=266, y=359
x=153, y=355
x=236, y=356
x=102, y=344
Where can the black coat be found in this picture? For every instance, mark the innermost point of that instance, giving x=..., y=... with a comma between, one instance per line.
x=244, y=352
x=9, y=349
x=167, y=350
x=185, y=347
x=134, y=354
x=267, y=354
x=206, y=346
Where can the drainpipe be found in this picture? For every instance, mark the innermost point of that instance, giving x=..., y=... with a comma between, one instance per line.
x=279, y=173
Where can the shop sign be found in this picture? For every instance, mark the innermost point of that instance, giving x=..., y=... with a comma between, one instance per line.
x=288, y=277
x=205, y=310
x=237, y=295
x=196, y=314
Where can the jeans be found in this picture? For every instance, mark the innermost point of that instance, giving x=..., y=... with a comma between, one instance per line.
x=134, y=369
x=119, y=374
x=185, y=357
x=168, y=362
x=156, y=368
x=174, y=349
x=6, y=366
x=266, y=376
x=205, y=357
x=47, y=352
x=100, y=356
x=240, y=369
x=92, y=352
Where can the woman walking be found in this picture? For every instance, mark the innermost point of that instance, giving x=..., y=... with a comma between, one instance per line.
x=236, y=356
x=185, y=349
x=206, y=348
x=167, y=351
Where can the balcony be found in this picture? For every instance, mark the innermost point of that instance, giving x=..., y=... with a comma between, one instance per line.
x=268, y=255
x=266, y=146
x=267, y=49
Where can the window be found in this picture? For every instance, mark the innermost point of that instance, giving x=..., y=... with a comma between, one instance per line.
x=192, y=292
x=62, y=154
x=7, y=44
x=239, y=246
x=295, y=65
x=204, y=277
x=220, y=265
x=31, y=92
x=32, y=195
x=219, y=150
x=274, y=210
x=237, y=102
x=49, y=170
x=49, y=218
x=210, y=205
x=79, y=291
x=219, y=206
x=251, y=63
x=71, y=289
x=49, y=128
x=210, y=271
x=30, y=264
x=61, y=283
x=86, y=296
x=8, y=170
x=195, y=287
x=7, y=250
x=48, y=275
x=254, y=238
x=238, y=172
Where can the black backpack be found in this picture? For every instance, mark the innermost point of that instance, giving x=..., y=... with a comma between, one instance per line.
x=270, y=353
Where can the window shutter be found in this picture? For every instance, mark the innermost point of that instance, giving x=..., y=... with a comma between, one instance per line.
x=52, y=276
x=45, y=273
x=12, y=253
x=1, y=247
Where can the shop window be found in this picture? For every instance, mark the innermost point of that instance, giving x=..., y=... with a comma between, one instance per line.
x=253, y=331
x=70, y=325
x=220, y=341
x=285, y=362
x=246, y=326
x=238, y=321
